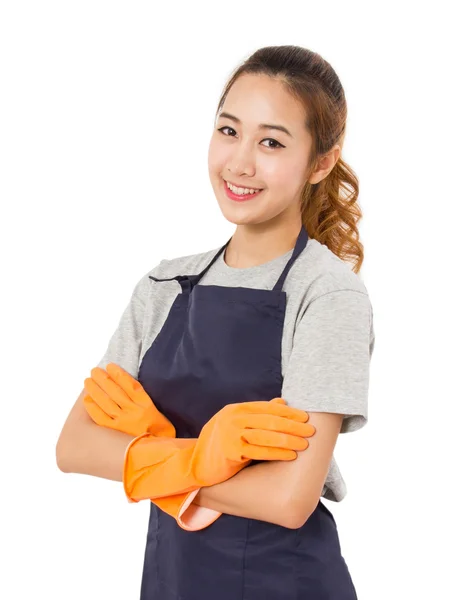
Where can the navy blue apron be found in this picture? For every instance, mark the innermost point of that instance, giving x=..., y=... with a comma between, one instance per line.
x=222, y=345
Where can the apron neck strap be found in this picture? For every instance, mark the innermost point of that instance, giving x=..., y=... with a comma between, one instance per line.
x=300, y=244
x=187, y=282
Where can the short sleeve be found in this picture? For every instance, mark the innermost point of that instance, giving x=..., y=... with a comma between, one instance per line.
x=328, y=369
x=124, y=347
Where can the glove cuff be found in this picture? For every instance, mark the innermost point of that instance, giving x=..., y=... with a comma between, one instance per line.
x=192, y=517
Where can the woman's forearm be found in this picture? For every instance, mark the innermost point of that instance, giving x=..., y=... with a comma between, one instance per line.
x=256, y=492
x=93, y=450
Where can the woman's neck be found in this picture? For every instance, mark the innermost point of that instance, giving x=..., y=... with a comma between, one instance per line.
x=250, y=248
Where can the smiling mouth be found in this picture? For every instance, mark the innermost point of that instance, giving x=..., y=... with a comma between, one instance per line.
x=236, y=197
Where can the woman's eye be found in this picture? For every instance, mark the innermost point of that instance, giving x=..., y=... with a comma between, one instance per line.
x=222, y=128
x=272, y=140
x=278, y=145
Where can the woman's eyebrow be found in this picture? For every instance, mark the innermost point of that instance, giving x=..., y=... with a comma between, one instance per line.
x=260, y=126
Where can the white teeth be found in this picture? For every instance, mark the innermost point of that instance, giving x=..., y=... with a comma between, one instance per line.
x=241, y=191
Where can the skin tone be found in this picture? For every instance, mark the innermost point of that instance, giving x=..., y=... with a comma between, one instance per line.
x=268, y=225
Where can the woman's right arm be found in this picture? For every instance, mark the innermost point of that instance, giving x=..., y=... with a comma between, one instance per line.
x=85, y=447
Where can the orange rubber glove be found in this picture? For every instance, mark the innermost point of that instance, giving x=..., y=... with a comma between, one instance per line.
x=117, y=400
x=190, y=517
x=236, y=435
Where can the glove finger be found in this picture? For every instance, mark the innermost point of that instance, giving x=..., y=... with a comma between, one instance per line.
x=273, y=439
x=278, y=400
x=272, y=408
x=111, y=388
x=162, y=427
x=262, y=453
x=96, y=413
x=274, y=423
x=132, y=387
x=101, y=398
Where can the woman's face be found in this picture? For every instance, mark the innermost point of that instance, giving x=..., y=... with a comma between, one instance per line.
x=265, y=158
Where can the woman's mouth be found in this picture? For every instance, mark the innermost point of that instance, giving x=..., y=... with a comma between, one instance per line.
x=239, y=197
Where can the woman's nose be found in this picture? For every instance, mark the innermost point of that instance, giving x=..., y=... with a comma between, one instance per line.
x=243, y=164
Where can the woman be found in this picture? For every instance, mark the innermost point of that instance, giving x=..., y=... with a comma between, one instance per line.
x=233, y=371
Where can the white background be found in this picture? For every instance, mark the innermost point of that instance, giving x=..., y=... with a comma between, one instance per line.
x=106, y=111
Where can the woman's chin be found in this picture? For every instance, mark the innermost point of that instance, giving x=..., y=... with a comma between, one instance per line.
x=237, y=217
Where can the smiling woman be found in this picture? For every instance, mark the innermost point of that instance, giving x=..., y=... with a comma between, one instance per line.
x=241, y=365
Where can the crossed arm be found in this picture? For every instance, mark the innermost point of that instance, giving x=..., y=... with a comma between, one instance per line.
x=280, y=492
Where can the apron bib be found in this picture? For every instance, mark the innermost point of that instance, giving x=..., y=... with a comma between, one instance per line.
x=222, y=345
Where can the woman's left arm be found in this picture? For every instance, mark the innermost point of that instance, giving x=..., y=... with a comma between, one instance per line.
x=280, y=492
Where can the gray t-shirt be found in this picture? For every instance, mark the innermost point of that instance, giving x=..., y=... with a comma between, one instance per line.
x=328, y=335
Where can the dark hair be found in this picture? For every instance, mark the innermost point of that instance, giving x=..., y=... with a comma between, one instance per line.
x=330, y=212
